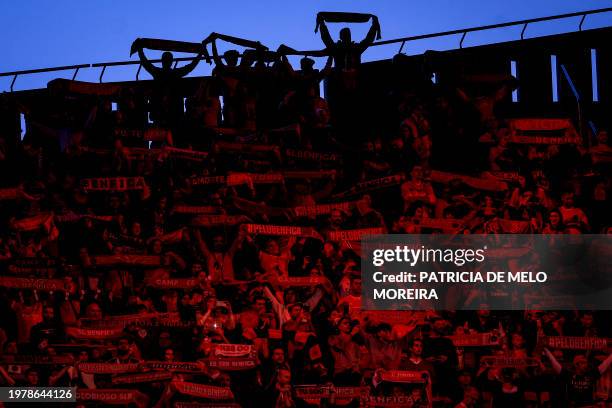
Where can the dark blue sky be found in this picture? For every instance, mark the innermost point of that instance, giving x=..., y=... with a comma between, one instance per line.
x=43, y=33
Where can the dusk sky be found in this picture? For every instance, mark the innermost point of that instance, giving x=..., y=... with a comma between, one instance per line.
x=37, y=34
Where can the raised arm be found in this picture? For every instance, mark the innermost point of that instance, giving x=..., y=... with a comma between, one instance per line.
x=605, y=364
x=325, y=36
x=556, y=365
x=327, y=68
x=238, y=241
x=279, y=309
x=6, y=376
x=151, y=69
x=201, y=243
x=218, y=60
x=372, y=34
x=282, y=52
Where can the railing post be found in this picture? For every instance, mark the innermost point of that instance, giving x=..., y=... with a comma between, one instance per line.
x=523, y=31
x=568, y=78
x=76, y=71
x=138, y=72
x=13, y=81
x=462, y=38
x=581, y=22
x=102, y=73
x=401, y=47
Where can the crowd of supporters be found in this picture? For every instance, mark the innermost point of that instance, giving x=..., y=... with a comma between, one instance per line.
x=160, y=248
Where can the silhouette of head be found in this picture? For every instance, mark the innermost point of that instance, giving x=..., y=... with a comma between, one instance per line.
x=306, y=64
x=345, y=35
x=167, y=60
x=231, y=57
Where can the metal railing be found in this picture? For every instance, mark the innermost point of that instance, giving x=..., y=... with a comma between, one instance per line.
x=524, y=23
x=402, y=41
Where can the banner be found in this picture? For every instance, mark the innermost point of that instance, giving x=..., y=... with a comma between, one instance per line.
x=301, y=280
x=37, y=266
x=84, y=88
x=72, y=217
x=167, y=320
x=320, y=391
x=195, y=209
x=93, y=334
x=233, y=350
x=203, y=391
x=122, y=321
x=170, y=237
x=166, y=45
x=175, y=366
x=112, y=396
x=127, y=260
x=309, y=155
x=546, y=140
x=313, y=394
x=113, y=183
x=235, y=40
x=405, y=376
x=474, y=182
x=383, y=401
x=475, y=340
x=344, y=17
x=237, y=178
x=513, y=362
x=219, y=220
x=20, y=359
x=34, y=223
x=282, y=230
x=394, y=317
x=32, y=283
x=185, y=154
x=509, y=176
x=173, y=283
x=108, y=368
x=156, y=376
x=539, y=124
x=576, y=343
x=370, y=185
x=232, y=363
x=207, y=180
x=323, y=209
x=353, y=235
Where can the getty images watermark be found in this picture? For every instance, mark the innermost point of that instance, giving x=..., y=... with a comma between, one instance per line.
x=500, y=272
